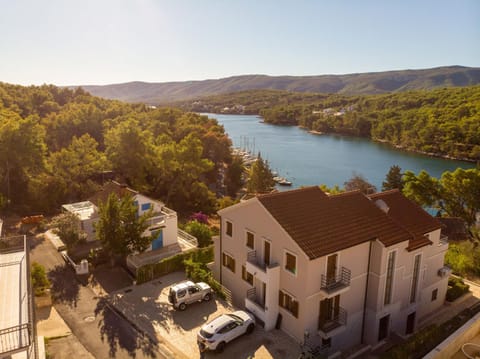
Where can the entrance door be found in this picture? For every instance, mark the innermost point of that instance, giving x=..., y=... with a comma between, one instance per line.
x=266, y=253
x=157, y=243
x=383, y=327
x=331, y=268
x=410, y=323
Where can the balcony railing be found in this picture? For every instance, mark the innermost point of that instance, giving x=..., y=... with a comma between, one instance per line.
x=443, y=239
x=336, y=318
x=15, y=338
x=252, y=296
x=253, y=258
x=340, y=281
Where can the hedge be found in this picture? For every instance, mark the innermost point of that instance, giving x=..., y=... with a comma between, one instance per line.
x=456, y=288
x=174, y=264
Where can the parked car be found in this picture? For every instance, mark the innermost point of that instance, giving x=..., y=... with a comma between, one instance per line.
x=223, y=329
x=186, y=292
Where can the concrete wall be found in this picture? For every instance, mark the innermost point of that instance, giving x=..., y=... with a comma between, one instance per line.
x=454, y=342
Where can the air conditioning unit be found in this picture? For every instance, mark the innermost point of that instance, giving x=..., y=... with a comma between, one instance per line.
x=444, y=271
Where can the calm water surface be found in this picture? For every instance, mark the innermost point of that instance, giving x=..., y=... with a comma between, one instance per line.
x=308, y=159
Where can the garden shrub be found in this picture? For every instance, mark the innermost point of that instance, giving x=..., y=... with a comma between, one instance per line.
x=201, y=231
x=40, y=281
x=456, y=288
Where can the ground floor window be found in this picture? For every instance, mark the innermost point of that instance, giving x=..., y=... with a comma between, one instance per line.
x=247, y=276
x=228, y=262
x=288, y=302
x=434, y=294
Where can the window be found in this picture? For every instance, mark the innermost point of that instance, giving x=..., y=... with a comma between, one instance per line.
x=229, y=262
x=287, y=302
x=250, y=240
x=146, y=206
x=416, y=272
x=290, y=263
x=229, y=228
x=247, y=276
x=389, y=279
x=434, y=294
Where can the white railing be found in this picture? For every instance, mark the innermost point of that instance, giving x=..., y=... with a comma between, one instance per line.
x=191, y=240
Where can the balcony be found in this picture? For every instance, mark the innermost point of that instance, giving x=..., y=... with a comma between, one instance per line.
x=331, y=286
x=443, y=239
x=258, y=267
x=331, y=323
x=256, y=305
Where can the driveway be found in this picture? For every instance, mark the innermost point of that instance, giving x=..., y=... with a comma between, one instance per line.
x=100, y=330
x=147, y=306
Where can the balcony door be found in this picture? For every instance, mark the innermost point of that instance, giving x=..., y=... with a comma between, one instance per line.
x=329, y=309
x=266, y=253
x=331, y=268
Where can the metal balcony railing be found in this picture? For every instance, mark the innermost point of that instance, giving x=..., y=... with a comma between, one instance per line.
x=335, y=318
x=334, y=283
x=15, y=338
x=443, y=239
x=252, y=258
x=252, y=296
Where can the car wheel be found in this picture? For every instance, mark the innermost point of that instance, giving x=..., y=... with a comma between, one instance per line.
x=207, y=297
x=182, y=306
x=250, y=329
x=220, y=347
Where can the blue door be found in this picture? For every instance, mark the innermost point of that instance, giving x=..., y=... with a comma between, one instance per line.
x=157, y=243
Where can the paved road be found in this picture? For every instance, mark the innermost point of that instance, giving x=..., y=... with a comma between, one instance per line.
x=98, y=328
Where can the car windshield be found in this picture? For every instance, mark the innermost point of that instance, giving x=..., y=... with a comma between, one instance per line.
x=236, y=318
x=205, y=334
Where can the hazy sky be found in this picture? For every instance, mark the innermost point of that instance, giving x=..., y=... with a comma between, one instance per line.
x=70, y=42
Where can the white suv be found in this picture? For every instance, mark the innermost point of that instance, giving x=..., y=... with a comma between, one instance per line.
x=223, y=329
x=187, y=292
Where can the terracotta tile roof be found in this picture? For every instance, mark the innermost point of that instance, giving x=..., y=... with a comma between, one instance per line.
x=407, y=213
x=418, y=242
x=111, y=187
x=322, y=224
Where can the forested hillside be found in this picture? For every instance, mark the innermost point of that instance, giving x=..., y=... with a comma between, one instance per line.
x=444, y=122
x=351, y=84
x=56, y=145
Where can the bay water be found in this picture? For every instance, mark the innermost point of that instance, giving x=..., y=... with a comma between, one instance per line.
x=308, y=159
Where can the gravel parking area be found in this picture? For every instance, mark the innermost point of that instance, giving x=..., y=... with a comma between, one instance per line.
x=148, y=308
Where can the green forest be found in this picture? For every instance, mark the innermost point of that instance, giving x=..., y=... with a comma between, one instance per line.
x=442, y=122
x=57, y=145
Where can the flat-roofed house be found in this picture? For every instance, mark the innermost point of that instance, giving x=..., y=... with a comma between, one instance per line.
x=343, y=270
x=17, y=317
x=167, y=240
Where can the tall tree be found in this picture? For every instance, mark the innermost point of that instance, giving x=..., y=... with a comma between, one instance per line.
x=76, y=165
x=261, y=177
x=359, y=182
x=234, y=176
x=456, y=194
x=119, y=227
x=22, y=152
x=393, y=179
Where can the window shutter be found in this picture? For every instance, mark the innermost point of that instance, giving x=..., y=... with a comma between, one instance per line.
x=280, y=298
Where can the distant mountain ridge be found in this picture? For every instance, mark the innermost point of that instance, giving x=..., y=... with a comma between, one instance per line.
x=350, y=84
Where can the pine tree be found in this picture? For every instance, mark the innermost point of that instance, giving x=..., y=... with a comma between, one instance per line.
x=393, y=179
x=261, y=177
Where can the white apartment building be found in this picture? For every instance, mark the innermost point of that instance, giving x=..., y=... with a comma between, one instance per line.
x=344, y=270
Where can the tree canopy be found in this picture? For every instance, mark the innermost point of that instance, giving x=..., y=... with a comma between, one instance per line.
x=119, y=227
x=456, y=194
x=261, y=177
x=165, y=153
